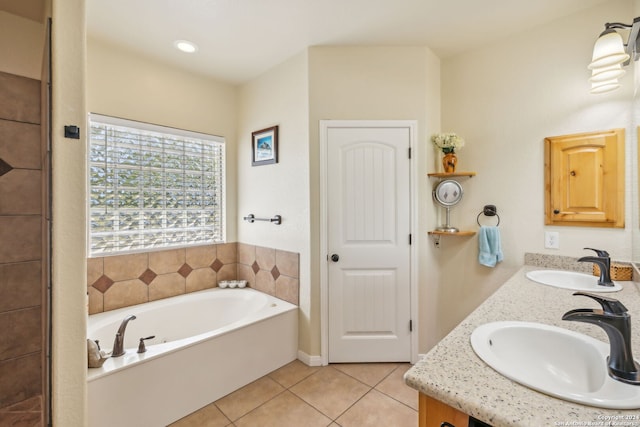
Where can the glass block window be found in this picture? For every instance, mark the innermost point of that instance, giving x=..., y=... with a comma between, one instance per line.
x=153, y=187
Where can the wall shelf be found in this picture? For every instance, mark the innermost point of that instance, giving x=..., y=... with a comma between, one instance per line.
x=451, y=175
x=448, y=233
x=443, y=176
x=437, y=234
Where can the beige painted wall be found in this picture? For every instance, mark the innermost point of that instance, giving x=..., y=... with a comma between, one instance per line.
x=21, y=45
x=278, y=97
x=505, y=99
x=69, y=348
x=401, y=83
x=123, y=84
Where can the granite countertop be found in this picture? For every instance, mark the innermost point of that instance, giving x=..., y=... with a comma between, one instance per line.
x=453, y=374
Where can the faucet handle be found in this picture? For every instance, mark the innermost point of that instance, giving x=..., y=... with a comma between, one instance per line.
x=141, y=347
x=599, y=252
x=609, y=305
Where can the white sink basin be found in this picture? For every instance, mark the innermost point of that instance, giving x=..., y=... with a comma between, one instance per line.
x=570, y=280
x=555, y=361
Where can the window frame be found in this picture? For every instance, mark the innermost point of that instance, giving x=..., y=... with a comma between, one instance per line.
x=166, y=131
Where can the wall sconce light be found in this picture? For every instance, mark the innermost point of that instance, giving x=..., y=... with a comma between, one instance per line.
x=610, y=54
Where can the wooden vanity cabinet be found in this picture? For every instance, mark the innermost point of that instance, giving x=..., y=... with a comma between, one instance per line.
x=584, y=179
x=433, y=413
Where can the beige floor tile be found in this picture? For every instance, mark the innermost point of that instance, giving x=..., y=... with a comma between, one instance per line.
x=376, y=409
x=369, y=373
x=393, y=385
x=330, y=391
x=209, y=416
x=292, y=373
x=285, y=410
x=249, y=397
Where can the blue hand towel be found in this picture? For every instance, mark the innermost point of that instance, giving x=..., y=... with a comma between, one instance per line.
x=490, y=249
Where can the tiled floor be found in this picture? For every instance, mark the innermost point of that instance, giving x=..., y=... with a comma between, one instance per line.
x=296, y=395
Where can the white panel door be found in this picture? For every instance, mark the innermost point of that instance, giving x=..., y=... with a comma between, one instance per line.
x=368, y=227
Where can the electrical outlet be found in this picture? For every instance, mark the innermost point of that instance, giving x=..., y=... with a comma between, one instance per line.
x=552, y=240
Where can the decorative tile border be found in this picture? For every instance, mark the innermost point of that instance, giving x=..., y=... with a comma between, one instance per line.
x=124, y=280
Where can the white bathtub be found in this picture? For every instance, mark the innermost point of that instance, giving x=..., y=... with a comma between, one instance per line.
x=207, y=345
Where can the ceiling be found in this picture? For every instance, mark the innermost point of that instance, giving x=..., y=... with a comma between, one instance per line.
x=240, y=39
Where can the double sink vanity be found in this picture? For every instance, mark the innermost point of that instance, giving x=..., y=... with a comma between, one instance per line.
x=514, y=361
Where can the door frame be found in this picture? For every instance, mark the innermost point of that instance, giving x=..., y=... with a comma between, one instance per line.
x=324, y=232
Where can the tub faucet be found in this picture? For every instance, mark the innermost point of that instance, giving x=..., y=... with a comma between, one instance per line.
x=118, y=343
x=616, y=322
x=604, y=262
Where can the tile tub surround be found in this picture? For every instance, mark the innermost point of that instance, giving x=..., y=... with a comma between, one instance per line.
x=124, y=280
x=269, y=270
x=452, y=373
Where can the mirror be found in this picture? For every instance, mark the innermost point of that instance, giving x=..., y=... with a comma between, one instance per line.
x=634, y=137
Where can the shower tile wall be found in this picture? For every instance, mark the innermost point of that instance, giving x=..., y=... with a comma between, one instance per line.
x=21, y=288
x=124, y=280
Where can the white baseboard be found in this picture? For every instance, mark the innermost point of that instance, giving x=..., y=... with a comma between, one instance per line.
x=308, y=359
x=317, y=360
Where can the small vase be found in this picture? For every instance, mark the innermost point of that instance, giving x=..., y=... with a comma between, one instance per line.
x=449, y=162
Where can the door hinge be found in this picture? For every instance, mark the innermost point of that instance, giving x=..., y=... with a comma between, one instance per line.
x=409, y=152
x=410, y=325
x=410, y=239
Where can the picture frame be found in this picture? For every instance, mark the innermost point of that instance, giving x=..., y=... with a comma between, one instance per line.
x=264, y=146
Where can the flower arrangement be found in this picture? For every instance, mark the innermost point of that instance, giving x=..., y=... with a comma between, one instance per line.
x=447, y=142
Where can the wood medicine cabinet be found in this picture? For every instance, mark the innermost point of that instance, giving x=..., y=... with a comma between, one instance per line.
x=584, y=179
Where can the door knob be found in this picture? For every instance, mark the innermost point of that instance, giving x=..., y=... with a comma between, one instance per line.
x=335, y=257
x=556, y=211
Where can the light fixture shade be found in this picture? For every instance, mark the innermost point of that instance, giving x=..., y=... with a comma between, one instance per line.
x=605, y=86
x=606, y=73
x=608, y=50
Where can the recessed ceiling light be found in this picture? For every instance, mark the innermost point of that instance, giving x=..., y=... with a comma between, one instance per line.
x=185, y=46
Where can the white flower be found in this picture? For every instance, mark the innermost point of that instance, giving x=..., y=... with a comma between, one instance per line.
x=447, y=142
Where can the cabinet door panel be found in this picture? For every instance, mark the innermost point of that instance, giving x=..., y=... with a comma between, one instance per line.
x=432, y=413
x=584, y=179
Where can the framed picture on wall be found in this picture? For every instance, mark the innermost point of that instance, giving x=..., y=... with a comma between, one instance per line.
x=264, y=146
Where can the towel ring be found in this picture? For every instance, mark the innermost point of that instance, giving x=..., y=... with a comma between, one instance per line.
x=489, y=210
